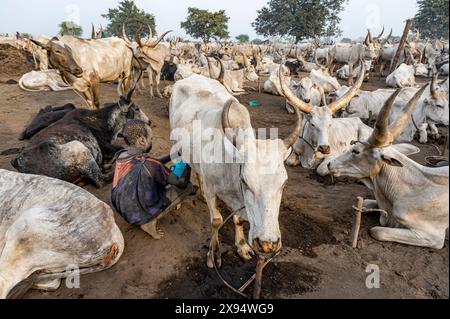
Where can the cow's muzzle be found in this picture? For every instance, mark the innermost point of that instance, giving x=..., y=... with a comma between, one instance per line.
x=266, y=247
x=324, y=149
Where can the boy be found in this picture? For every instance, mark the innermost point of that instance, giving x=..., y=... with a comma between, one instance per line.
x=143, y=188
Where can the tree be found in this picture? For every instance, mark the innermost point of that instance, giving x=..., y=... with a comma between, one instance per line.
x=257, y=41
x=134, y=19
x=205, y=25
x=300, y=19
x=70, y=28
x=243, y=38
x=431, y=19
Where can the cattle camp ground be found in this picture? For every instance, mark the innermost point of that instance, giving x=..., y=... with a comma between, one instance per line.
x=306, y=224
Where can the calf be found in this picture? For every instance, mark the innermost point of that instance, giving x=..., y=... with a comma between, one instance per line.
x=75, y=146
x=46, y=80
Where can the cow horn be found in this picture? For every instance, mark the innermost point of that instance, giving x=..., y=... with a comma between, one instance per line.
x=396, y=128
x=209, y=67
x=291, y=139
x=316, y=61
x=150, y=32
x=294, y=100
x=387, y=38
x=380, y=134
x=370, y=36
x=222, y=72
x=366, y=40
x=137, y=37
x=380, y=35
x=245, y=60
x=124, y=35
x=93, y=35
x=433, y=84
x=156, y=42
x=337, y=105
x=226, y=120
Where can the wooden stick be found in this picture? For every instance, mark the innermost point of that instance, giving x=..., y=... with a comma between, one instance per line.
x=357, y=221
x=258, y=277
x=401, y=45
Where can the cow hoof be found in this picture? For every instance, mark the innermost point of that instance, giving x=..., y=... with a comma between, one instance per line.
x=245, y=252
x=210, y=260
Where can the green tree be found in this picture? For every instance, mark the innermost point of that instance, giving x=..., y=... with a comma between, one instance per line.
x=70, y=28
x=432, y=18
x=300, y=19
x=243, y=38
x=257, y=41
x=129, y=14
x=205, y=25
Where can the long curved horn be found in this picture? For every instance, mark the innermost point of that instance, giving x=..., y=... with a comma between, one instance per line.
x=222, y=72
x=156, y=42
x=209, y=67
x=396, y=128
x=150, y=32
x=387, y=38
x=380, y=134
x=124, y=35
x=226, y=120
x=380, y=35
x=370, y=35
x=337, y=105
x=294, y=100
x=137, y=37
x=293, y=137
x=93, y=35
x=433, y=84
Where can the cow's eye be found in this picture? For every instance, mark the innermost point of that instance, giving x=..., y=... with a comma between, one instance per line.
x=313, y=125
x=355, y=151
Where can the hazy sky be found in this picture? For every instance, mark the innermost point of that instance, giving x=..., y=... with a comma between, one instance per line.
x=43, y=16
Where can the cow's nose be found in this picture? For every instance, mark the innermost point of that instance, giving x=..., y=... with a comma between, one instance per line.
x=307, y=100
x=324, y=149
x=78, y=71
x=268, y=247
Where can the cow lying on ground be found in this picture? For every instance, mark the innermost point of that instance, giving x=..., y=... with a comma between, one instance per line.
x=46, y=80
x=307, y=91
x=75, y=146
x=396, y=181
x=48, y=227
x=44, y=118
x=402, y=77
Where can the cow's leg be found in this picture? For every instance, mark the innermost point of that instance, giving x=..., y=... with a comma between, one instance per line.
x=95, y=87
x=408, y=236
x=216, y=221
x=381, y=70
x=157, y=81
x=89, y=98
x=150, y=80
x=243, y=248
x=47, y=285
x=423, y=135
x=434, y=131
x=350, y=74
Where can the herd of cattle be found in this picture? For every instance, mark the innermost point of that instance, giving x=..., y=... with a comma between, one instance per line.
x=48, y=223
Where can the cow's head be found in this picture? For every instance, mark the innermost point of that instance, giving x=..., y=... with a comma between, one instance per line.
x=262, y=174
x=319, y=119
x=366, y=158
x=249, y=70
x=373, y=46
x=60, y=56
x=436, y=104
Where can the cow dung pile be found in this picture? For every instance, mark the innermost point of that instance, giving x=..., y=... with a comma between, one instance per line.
x=14, y=63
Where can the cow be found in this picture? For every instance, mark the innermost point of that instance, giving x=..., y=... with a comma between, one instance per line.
x=323, y=79
x=37, y=52
x=152, y=55
x=45, y=80
x=307, y=91
x=324, y=137
x=75, y=147
x=396, y=181
x=85, y=63
x=251, y=179
x=50, y=228
x=387, y=55
x=444, y=69
x=234, y=80
x=402, y=77
x=44, y=118
x=344, y=72
x=272, y=84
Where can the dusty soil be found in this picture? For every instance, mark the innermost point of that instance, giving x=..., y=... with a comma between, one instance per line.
x=315, y=219
x=14, y=62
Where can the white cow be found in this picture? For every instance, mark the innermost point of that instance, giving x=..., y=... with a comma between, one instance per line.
x=444, y=69
x=322, y=78
x=396, y=181
x=307, y=91
x=47, y=227
x=402, y=77
x=46, y=80
x=344, y=72
x=272, y=84
x=208, y=120
x=324, y=137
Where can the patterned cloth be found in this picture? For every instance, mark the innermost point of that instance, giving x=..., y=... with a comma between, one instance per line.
x=139, y=188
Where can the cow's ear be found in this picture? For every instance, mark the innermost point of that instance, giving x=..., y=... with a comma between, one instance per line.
x=391, y=160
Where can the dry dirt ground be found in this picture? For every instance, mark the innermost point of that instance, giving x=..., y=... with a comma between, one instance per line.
x=315, y=219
